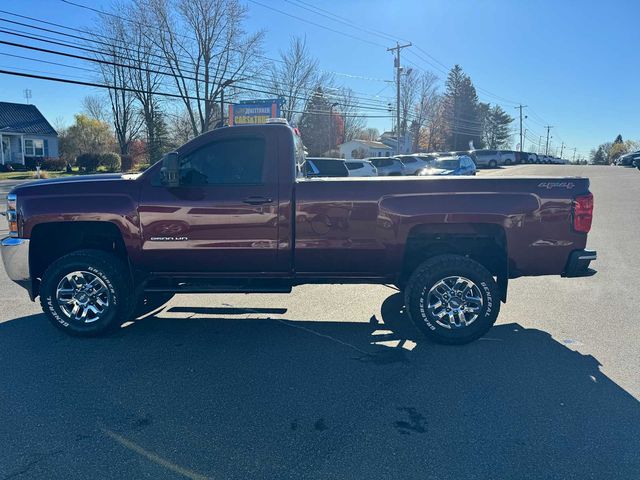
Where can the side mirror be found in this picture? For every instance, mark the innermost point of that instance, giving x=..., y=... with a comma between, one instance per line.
x=170, y=171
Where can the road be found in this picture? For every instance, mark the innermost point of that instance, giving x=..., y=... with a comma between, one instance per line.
x=332, y=382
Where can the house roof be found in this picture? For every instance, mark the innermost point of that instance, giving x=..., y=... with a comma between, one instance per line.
x=371, y=144
x=23, y=118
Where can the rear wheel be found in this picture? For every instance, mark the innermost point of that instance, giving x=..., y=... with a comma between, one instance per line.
x=87, y=293
x=452, y=299
x=493, y=164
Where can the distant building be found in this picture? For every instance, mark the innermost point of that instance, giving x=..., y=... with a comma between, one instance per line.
x=390, y=139
x=363, y=149
x=24, y=132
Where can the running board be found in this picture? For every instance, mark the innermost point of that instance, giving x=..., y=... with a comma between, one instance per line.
x=218, y=285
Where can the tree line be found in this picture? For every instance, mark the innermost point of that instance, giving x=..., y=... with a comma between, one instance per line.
x=608, y=152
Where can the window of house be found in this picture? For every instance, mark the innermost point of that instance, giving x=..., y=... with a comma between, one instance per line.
x=227, y=162
x=34, y=148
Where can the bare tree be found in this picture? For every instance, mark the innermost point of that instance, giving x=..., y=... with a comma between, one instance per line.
x=145, y=74
x=295, y=77
x=425, y=107
x=348, y=107
x=408, y=93
x=96, y=107
x=205, y=49
x=116, y=75
x=372, y=134
x=433, y=136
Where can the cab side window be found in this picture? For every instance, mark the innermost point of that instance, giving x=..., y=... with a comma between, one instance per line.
x=227, y=162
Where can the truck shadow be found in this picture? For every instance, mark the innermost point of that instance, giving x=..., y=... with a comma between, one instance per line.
x=280, y=398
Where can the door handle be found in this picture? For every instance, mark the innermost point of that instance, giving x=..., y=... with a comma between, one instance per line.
x=257, y=200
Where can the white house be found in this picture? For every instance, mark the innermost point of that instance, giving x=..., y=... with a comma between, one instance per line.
x=24, y=132
x=364, y=148
x=390, y=139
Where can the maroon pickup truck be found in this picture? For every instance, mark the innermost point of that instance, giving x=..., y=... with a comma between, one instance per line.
x=231, y=212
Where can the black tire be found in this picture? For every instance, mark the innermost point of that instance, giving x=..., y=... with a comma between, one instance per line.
x=428, y=275
x=493, y=164
x=118, y=287
x=150, y=302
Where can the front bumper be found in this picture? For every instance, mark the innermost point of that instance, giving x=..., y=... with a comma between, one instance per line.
x=578, y=264
x=15, y=256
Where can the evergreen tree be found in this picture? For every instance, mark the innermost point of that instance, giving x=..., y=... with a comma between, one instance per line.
x=317, y=127
x=462, y=111
x=618, y=139
x=496, y=127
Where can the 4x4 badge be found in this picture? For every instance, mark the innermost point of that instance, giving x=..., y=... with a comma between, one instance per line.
x=550, y=185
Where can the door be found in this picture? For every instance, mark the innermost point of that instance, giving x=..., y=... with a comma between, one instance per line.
x=6, y=149
x=223, y=218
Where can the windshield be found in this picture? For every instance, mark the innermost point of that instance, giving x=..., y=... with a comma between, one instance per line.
x=446, y=163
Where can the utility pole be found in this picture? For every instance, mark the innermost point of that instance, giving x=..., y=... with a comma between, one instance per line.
x=396, y=62
x=562, y=149
x=521, y=138
x=539, y=143
x=574, y=154
x=549, y=127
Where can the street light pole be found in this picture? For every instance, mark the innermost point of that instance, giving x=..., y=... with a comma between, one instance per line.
x=397, y=49
x=549, y=127
x=521, y=137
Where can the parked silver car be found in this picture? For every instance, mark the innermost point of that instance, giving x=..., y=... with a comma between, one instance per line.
x=361, y=168
x=412, y=163
x=388, y=166
x=488, y=158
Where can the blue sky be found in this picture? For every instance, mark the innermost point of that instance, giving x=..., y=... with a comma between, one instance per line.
x=574, y=63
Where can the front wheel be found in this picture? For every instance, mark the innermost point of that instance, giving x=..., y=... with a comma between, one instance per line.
x=452, y=299
x=87, y=293
x=493, y=164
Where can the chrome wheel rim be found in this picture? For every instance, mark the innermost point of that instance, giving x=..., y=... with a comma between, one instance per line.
x=455, y=302
x=83, y=297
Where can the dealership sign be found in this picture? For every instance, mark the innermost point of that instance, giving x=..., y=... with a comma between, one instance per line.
x=253, y=112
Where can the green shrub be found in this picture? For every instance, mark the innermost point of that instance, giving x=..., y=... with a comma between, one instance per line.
x=110, y=161
x=54, y=164
x=31, y=162
x=88, y=162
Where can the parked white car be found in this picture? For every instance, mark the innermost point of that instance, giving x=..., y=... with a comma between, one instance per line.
x=361, y=168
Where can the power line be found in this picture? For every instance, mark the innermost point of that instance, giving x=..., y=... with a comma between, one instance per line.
x=122, y=65
x=166, y=94
x=358, y=96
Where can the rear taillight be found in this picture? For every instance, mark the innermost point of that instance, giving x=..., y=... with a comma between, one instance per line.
x=12, y=216
x=583, y=213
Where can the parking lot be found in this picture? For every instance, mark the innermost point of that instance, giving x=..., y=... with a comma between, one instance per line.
x=333, y=382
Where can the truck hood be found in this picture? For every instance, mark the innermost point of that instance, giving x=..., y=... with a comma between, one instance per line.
x=99, y=177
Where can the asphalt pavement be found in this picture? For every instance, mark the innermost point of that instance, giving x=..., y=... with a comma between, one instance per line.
x=333, y=382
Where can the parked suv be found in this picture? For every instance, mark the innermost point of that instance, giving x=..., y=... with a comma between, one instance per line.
x=509, y=157
x=488, y=158
x=388, y=166
x=361, y=168
x=458, y=165
x=325, y=167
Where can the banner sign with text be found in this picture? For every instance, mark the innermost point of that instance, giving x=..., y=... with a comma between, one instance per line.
x=253, y=112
